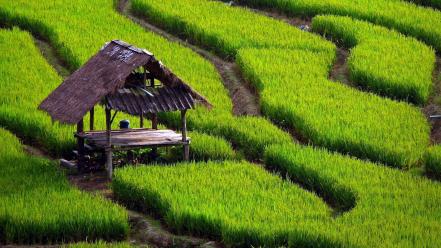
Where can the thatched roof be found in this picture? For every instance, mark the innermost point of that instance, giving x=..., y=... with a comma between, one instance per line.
x=137, y=101
x=103, y=75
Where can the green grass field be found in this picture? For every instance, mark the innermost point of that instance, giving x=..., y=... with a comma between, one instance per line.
x=326, y=164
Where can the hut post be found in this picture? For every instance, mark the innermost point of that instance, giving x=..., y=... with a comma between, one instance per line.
x=80, y=144
x=145, y=75
x=154, y=121
x=92, y=119
x=184, y=135
x=152, y=82
x=154, y=126
x=108, y=149
x=141, y=120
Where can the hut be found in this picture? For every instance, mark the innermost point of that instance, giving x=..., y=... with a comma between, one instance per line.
x=122, y=78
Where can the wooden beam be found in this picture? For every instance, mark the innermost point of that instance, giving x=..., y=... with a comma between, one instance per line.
x=108, y=148
x=184, y=135
x=92, y=119
x=80, y=144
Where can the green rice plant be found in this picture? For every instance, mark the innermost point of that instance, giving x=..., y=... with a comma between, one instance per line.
x=37, y=204
x=236, y=202
x=206, y=147
x=433, y=162
x=392, y=208
x=334, y=115
x=245, y=206
x=78, y=30
x=382, y=60
x=407, y=18
x=219, y=27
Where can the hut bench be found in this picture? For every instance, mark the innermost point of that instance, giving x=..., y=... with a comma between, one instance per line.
x=123, y=78
x=128, y=139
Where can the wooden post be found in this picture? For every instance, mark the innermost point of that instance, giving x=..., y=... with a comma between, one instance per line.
x=108, y=149
x=154, y=121
x=92, y=119
x=145, y=76
x=141, y=120
x=80, y=144
x=184, y=135
x=154, y=126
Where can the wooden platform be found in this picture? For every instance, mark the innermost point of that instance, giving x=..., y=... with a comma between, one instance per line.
x=133, y=138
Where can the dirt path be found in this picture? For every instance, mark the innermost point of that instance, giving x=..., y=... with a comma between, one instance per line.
x=244, y=97
x=144, y=230
x=51, y=57
x=434, y=106
x=340, y=69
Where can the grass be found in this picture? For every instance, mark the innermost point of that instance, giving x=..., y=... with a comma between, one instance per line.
x=433, y=162
x=37, y=204
x=214, y=25
x=206, y=147
x=236, y=202
x=382, y=60
x=81, y=29
x=393, y=208
x=407, y=18
x=331, y=114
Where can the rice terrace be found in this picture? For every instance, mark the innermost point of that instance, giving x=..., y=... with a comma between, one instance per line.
x=210, y=123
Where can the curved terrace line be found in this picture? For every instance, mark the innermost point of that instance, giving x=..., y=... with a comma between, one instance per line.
x=393, y=85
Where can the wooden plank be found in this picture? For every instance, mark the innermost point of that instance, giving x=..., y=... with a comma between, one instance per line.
x=135, y=135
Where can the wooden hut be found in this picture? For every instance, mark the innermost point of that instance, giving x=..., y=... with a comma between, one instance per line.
x=122, y=78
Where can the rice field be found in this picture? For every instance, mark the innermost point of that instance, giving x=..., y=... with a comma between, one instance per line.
x=382, y=60
x=326, y=164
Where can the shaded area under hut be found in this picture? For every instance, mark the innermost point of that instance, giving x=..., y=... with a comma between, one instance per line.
x=121, y=77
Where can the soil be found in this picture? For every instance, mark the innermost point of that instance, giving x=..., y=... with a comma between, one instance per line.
x=244, y=97
x=51, y=57
x=340, y=70
x=434, y=106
